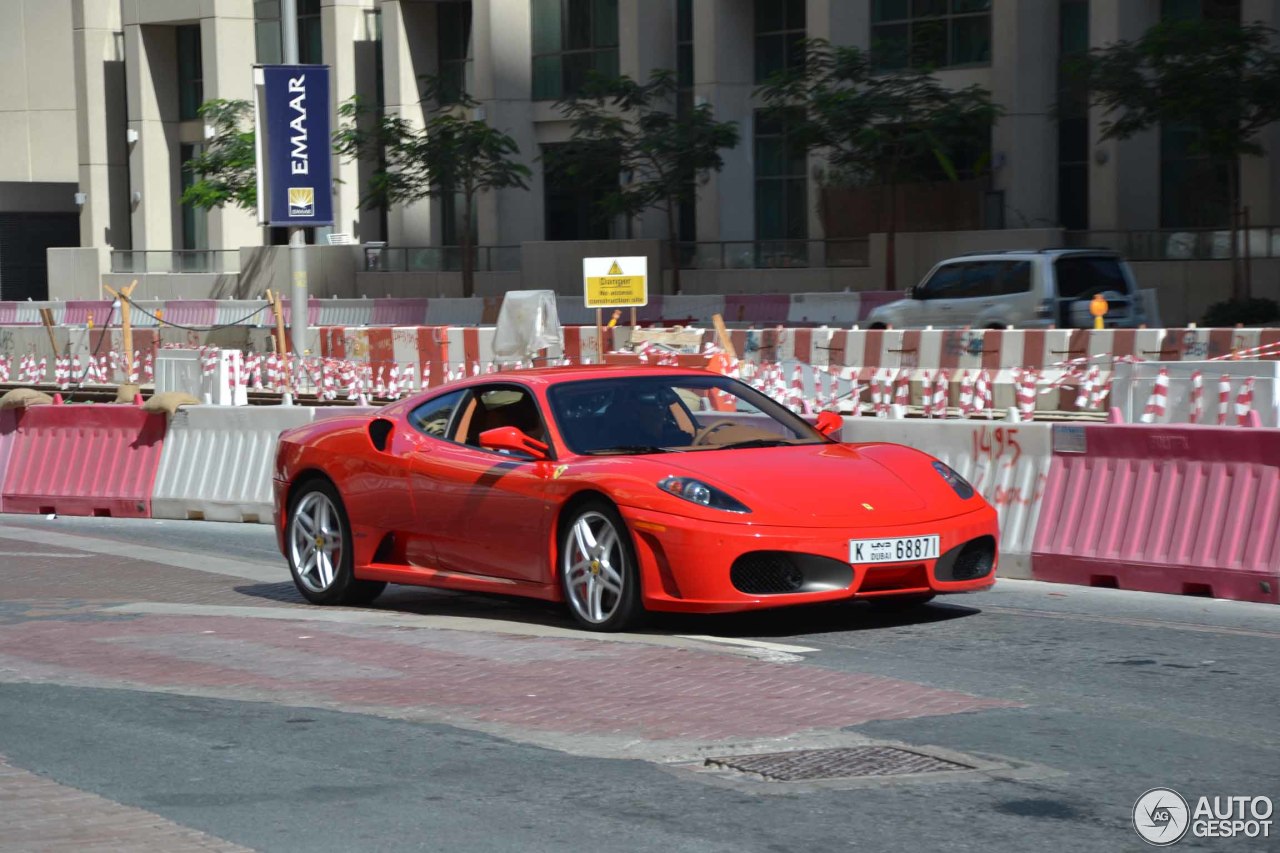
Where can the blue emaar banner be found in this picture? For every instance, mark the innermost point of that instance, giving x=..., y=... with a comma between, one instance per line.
x=295, y=177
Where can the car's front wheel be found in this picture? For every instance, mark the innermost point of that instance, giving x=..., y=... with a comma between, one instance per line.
x=319, y=551
x=598, y=571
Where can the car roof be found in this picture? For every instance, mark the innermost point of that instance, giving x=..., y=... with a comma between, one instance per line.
x=547, y=376
x=1049, y=253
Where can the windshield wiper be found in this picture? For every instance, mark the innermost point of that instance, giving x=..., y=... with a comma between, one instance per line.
x=627, y=448
x=757, y=442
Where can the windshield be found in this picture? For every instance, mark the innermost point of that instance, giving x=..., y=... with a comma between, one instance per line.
x=669, y=414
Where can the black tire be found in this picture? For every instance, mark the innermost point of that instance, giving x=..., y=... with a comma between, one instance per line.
x=589, y=578
x=320, y=562
x=877, y=326
x=900, y=603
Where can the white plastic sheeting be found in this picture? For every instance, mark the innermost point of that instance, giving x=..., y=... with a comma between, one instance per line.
x=184, y=370
x=1007, y=463
x=216, y=462
x=1134, y=382
x=527, y=324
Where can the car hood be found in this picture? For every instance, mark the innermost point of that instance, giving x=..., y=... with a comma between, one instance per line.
x=823, y=483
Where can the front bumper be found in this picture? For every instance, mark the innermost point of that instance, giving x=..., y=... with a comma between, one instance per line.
x=685, y=563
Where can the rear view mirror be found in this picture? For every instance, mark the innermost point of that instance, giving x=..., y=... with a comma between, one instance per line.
x=511, y=439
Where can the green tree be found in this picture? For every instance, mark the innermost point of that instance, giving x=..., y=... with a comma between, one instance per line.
x=450, y=154
x=1221, y=77
x=874, y=128
x=660, y=152
x=226, y=168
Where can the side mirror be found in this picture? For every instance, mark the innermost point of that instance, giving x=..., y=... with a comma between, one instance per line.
x=512, y=439
x=829, y=422
x=914, y=293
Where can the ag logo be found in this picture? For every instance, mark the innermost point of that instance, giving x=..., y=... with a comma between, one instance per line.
x=302, y=201
x=1161, y=816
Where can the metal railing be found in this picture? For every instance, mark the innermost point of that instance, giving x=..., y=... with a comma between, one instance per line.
x=774, y=254
x=175, y=261
x=440, y=259
x=1181, y=244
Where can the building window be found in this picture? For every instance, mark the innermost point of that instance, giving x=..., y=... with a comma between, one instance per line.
x=782, y=211
x=195, y=220
x=1194, y=190
x=453, y=45
x=1073, y=116
x=267, y=32
x=930, y=33
x=573, y=202
x=190, y=72
x=571, y=39
x=688, y=213
x=780, y=30
x=310, y=44
x=1198, y=10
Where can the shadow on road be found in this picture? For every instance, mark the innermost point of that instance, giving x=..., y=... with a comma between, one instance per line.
x=839, y=617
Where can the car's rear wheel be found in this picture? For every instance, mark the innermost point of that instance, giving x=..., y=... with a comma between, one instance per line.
x=319, y=549
x=598, y=570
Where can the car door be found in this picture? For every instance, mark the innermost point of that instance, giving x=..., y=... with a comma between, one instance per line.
x=932, y=300
x=420, y=454
x=971, y=293
x=489, y=512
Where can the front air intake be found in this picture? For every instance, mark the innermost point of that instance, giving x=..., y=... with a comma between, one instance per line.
x=766, y=573
x=970, y=561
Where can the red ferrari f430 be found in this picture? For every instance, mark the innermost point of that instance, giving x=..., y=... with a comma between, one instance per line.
x=620, y=491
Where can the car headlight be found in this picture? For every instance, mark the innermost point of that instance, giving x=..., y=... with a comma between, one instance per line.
x=698, y=492
x=958, y=483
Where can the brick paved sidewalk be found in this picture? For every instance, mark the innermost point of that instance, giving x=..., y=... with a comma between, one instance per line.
x=41, y=815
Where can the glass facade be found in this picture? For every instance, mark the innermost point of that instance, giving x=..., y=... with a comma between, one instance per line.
x=190, y=72
x=930, y=33
x=572, y=39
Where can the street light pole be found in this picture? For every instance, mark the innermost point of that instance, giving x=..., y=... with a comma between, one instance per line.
x=297, y=236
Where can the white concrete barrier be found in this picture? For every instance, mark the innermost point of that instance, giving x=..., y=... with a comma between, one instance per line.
x=1007, y=463
x=216, y=462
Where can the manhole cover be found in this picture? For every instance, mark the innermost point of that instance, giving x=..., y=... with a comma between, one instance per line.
x=837, y=763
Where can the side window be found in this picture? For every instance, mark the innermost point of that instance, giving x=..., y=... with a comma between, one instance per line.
x=491, y=407
x=1014, y=278
x=434, y=416
x=944, y=283
x=980, y=279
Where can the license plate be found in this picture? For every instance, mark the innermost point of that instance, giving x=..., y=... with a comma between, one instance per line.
x=899, y=550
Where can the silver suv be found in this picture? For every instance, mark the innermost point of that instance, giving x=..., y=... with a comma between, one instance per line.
x=1026, y=289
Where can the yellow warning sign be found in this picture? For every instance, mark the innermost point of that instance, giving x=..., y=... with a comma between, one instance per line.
x=615, y=282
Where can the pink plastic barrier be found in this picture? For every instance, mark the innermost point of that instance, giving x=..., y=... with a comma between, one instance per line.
x=8, y=431
x=8, y=313
x=192, y=312
x=399, y=312
x=79, y=311
x=1191, y=510
x=84, y=460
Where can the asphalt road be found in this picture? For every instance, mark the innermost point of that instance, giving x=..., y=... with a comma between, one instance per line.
x=168, y=667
